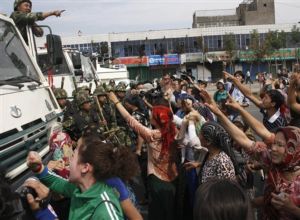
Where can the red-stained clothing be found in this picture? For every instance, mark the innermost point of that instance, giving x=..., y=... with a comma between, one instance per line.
x=161, y=165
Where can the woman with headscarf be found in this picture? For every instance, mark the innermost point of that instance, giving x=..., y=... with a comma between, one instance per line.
x=218, y=163
x=280, y=154
x=161, y=163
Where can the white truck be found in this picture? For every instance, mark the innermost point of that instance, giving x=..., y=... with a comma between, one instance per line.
x=118, y=72
x=28, y=108
x=75, y=68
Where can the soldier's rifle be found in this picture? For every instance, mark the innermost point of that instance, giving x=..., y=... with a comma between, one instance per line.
x=107, y=131
x=94, y=71
x=62, y=82
x=75, y=84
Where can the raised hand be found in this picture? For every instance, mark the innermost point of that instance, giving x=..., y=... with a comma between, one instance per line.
x=194, y=116
x=227, y=76
x=209, y=102
x=232, y=103
x=112, y=97
x=34, y=161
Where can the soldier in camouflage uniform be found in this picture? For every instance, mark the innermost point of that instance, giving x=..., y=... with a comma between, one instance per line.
x=125, y=134
x=84, y=117
x=120, y=92
x=108, y=109
x=23, y=16
x=66, y=106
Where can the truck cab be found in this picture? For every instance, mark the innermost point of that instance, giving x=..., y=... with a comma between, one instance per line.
x=75, y=68
x=29, y=109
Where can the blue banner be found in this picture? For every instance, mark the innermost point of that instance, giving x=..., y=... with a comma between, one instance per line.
x=164, y=60
x=171, y=59
x=156, y=60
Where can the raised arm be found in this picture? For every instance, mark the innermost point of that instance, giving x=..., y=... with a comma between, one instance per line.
x=292, y=93
x=244, y=89
x=238, y=135
x=256, y=125
x=145, y=132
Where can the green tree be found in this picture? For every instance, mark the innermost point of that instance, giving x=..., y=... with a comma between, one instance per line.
x=295, y=34
x=275, y=41
x=230, y=47
x=261, y=49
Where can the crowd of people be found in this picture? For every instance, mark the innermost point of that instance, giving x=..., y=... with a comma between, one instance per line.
x=197, y=155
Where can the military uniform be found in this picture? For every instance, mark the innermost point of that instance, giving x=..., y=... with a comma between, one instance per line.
x=125, y=133
x=68, y=110
x=108, y=109
x=76, y=123
x=22, y=19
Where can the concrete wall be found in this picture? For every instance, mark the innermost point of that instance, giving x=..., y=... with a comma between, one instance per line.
x=265, y=13
x=256, y=13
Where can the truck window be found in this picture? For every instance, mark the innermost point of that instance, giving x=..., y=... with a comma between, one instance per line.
x=15, y=63
x=57, y=69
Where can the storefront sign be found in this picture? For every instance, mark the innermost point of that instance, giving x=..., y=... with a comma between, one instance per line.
x=171, y=59
x=281, y=54
x=156, y=60
x=219, y=56
x=167, y=59
x=132, y=61
x=191, y=58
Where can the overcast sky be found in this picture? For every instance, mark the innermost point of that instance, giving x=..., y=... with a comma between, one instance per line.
x=106, y=16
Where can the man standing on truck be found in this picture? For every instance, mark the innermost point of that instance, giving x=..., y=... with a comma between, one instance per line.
x=23, y=16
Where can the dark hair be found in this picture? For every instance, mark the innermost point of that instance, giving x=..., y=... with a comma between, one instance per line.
x=276, y=97
x=239, y=73
x=221, y=200
x=196, y=94
x=107, y=159
x=135, y=101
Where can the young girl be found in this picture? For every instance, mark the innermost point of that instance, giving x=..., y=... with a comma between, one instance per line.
x=92, y=163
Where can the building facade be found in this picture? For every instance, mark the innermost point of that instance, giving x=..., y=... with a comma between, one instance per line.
x=199, y=50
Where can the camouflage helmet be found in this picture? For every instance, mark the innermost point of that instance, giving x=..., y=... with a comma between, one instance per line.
x=109, y=88
x=60, y=93
x=18, y=2
x=84, y=88
x=99, y=91
x=82, y=98
x=120, y=88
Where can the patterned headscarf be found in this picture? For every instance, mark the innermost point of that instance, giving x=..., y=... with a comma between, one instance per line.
x=292, y=158
x=164, y=118
x=215, y=134
x=218, y=137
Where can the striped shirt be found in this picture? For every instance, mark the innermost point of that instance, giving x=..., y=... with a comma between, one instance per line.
x=275, y=121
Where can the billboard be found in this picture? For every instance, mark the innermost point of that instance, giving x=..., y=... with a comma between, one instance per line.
x=156, y=60
x=281, y=54
x=132, y=61
x=167, y=59
x=191, y=58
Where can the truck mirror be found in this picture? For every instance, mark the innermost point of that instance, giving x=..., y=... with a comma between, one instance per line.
x=54, y=47
x=76, y=60
x=78, y=72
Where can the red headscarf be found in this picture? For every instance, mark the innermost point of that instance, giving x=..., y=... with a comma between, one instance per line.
x=164, y=118
x=292, y=148
x=291, y=161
